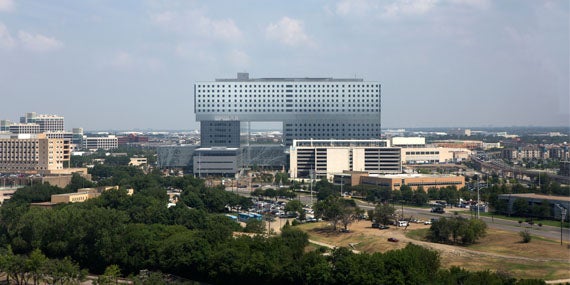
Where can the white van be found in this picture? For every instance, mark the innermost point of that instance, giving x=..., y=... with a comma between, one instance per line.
x=402, y=223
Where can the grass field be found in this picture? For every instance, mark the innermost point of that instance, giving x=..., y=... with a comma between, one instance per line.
x=497, y=251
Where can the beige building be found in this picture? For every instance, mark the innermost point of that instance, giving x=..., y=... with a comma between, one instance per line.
x=138, y=161
x=395, y=181
x=459, y=144
x=33, y=152
x=405, y=142
x=6, y=193
x=73, y=197
x=323, y=158
x=84, y=194
x=434, y=155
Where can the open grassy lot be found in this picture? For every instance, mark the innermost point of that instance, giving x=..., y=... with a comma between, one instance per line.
x=498, y=251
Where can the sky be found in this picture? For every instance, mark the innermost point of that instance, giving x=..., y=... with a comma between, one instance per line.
x=131, y=64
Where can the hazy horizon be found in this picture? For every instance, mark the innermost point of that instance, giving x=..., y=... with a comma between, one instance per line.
x=132, y=64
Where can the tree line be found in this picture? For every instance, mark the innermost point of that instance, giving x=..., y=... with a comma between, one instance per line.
x=117, y=234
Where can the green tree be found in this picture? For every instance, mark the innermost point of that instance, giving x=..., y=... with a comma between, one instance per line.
x=296, y=240
x=383, y=213
x=64, y=271
x=420, y=197
x=407, y=193
x=329, y=209
x=78, y=182
x=348, y=215
x=255, y=226
x=520, y=207
x=36, y=265
x=457, y=229
x=294, y=206
x=433, y=193
x=325, y=189
x=110, y=276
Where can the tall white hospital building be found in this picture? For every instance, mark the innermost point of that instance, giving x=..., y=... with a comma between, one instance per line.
x=318, y=108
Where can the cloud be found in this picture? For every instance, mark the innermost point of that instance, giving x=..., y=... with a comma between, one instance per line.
x=409, y=7
x=290, y=32
x=197, y=24
x=398, y=8
x=354, y=7
x=126, y=61
x=481, y=4
x=38, y=42
x=6, y=40
x=239, y=58
x=122, y=60
x=6, y=5
x=194, y=52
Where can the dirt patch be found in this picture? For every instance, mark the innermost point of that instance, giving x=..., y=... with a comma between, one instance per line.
x=498, y=251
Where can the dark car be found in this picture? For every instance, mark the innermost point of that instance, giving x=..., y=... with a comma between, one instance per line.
x=437, y=210
x=383, y=227
x=375, y=225
x=392, y=239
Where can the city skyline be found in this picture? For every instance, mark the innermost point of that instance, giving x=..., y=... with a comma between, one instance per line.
x=131, y=65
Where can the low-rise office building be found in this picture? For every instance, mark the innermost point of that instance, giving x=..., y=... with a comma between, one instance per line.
x=408, y=142
x=323, y=158
x=73, y=197
x=434, y=155
x=138, y=161
x=106, y=143
x=84, y=194
x=216, y=161
x=396, y=181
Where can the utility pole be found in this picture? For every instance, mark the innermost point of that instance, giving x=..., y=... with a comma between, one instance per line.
x=563, y=212
x=311, y=174
x=341, y=184
x=478, y=186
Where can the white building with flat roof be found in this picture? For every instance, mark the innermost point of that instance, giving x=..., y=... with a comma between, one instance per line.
x=318, y=108
x=408, y=141
x=106, y=143
x=324, y=158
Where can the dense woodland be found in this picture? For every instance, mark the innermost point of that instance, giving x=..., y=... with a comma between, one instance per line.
x=117, y=234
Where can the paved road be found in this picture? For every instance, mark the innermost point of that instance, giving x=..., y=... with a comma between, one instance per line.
x=424, y=213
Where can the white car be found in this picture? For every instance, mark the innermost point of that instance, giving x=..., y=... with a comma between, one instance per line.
x=427, y=223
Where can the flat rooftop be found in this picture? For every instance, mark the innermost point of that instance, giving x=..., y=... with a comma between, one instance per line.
x=244, y=77
x=411, y=175
x=298, y=79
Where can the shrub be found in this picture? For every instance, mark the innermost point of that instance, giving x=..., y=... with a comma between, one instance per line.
x=526, y=237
